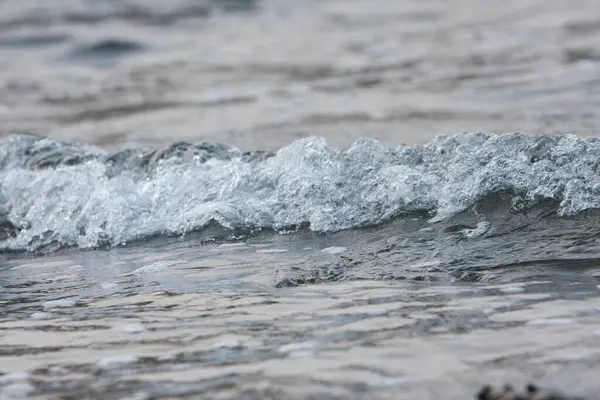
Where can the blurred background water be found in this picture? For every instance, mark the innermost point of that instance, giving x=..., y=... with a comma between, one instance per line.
x=258, y=74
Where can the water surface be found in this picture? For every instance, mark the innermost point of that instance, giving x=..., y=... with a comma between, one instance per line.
x=247, y=199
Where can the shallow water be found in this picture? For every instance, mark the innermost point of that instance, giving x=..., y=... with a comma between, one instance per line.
x=164, y=320
x=277, y=255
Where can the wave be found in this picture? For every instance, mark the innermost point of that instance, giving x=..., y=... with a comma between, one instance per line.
x=62, y=194
x=135, y=11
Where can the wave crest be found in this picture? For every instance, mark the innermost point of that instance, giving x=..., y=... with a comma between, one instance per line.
x=67, y=194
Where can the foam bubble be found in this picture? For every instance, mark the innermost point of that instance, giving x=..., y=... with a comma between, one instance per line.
x=62, y=194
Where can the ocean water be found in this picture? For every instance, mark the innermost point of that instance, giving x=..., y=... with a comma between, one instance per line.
x=309, y=200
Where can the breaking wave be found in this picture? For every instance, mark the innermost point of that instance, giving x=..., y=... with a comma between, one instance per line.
x=55, y=194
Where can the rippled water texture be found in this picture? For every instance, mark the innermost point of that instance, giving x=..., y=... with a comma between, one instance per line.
x=258, y=74
x=245, y=199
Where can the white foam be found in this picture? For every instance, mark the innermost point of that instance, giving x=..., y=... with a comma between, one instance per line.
x=306, y=182
x=131, y=328
x=154, y=267
x=61, y=303
x=116, y=361
x=378, y=312
x=481, y=228
x=302, y=349
x=229, y=343
x=334, y=250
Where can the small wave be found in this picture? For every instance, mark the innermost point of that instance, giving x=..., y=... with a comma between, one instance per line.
x=107, y=48
x=65, y=194
x=136, y=11
x=28, y=41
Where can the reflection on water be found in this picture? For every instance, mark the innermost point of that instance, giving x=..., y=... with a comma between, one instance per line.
x=162, y=320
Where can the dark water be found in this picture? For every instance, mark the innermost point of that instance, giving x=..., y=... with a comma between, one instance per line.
x=248, y=200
